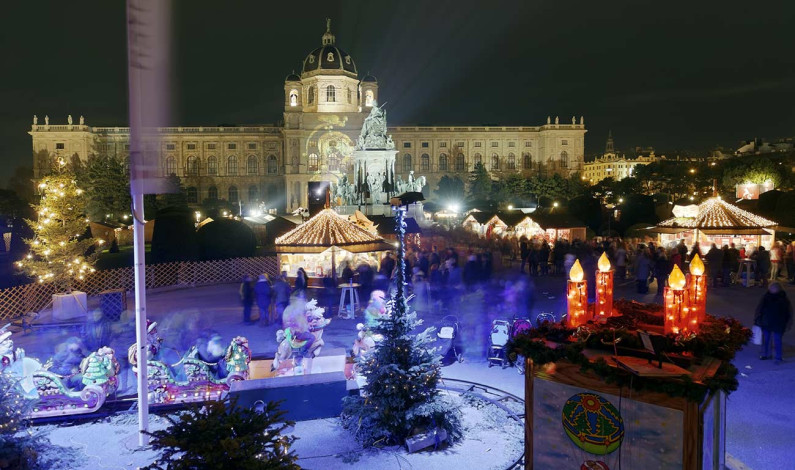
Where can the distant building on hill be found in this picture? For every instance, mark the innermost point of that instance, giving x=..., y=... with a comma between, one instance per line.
x=612, y=165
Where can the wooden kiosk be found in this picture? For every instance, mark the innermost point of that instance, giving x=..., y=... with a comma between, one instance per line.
x=576, y=419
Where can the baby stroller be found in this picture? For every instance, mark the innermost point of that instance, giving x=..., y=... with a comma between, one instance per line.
x=519, y=326
x=498, y=338
x=448, y=331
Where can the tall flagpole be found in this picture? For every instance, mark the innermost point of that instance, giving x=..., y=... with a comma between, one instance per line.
x=148, y=46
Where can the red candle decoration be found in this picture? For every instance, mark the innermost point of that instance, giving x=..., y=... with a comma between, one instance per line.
x=677, y=304
x=697, y=289
x=577, y=296
x=604, y=289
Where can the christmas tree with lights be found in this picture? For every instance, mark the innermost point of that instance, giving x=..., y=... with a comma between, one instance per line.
x=400, y=398
x=58, y=251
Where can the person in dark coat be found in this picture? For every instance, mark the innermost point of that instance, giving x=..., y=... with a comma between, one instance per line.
x=301, y=282
x=281, y=295
x=263, y=293
x=662, y=267
x=246, y=292
x=643, y=267
x=714, y=264
x=774, y=317
x=762, y=258
x=524, y=253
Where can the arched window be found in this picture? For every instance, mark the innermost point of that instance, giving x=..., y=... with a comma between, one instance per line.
x=527, y=161
x=192, y=195
x=478, y=159
x=192, y=166
x=212, y=166
x=231, y=166
x=368, y=98
x=460, y=162
x=295, y=163
x=511, y=161
x=212, y=193
x=425, y=162
x=313, y=163
x=311, y=95
x=171, y=166
x=331, y=94
x=293, y=98
x=251, y=165
x=273, y=165
x=253, y=193
x=443, y=162
x=407, y=162
x=333, y=161
x=495, y=161
x=233, y=198
x=564, y=159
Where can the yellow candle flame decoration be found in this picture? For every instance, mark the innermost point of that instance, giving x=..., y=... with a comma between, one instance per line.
x=576, y=273
x=696, y=265
x=677, y=279
x=603, y=264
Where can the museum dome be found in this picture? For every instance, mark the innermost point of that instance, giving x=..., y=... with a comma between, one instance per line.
x=369, y=78
x=293, y=77
x=328, y=58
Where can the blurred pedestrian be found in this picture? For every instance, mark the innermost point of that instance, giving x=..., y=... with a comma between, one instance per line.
x=774, y=317
x=281, y=295
x=246, y=292
x=263, y=293
x=301, y=282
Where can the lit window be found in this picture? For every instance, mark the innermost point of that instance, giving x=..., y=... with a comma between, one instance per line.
x=443, y=144
x=460, y=162
x=192, y=166
x=312, y=164
x=425, y=162
x=212, y=166
x=443, y=162
x=511, y=161
x=251, y=165
x=273, y=164
x=231, y=166
x=330, y=57
x=564, y=159
x=528, y=144
x=495, y=144
x=293, y=98
x=171, y=166
x=368, y=98
x=478, y=144
x=333, y=161
x=407, y=163
x=331, y=94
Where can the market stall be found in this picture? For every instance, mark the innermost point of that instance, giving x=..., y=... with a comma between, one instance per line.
x=325, y=243
x=715, y=221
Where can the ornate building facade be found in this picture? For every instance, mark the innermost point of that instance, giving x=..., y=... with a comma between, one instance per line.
x=324, y=108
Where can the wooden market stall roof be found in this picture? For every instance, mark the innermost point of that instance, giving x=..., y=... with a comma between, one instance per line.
x=327, y=229
x=544, y=219
x=717, y=216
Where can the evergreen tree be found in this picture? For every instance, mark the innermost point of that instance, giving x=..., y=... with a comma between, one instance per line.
x=480, y=184
x=402, y=373
x=107, y=179
x=57, y=249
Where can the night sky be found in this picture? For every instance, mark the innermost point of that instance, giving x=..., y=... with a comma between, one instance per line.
x=673, y=75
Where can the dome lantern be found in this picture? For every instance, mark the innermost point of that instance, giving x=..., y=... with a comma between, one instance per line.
x=328, y=38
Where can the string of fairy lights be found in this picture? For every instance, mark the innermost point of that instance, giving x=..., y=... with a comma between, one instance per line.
x=327, y=228
x=717, y=213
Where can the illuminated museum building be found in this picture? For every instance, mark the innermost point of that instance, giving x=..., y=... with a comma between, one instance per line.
x=324, y=108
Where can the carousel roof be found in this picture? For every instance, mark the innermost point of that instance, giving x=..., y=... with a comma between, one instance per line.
x=327, y=229
x=717, y=216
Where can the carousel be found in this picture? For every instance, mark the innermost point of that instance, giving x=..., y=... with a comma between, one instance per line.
x=715, y=221
x=325, y=243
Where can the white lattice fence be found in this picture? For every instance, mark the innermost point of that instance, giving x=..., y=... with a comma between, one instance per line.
x=19, y=300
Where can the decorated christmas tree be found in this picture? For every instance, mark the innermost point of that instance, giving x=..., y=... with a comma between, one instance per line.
x=58, y=252
x=400, y=398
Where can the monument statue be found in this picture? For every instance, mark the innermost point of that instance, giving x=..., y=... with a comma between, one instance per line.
x=82, y=121
x=373, y=135
x=69, y=119
x=35, y=120
x=46, y=120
